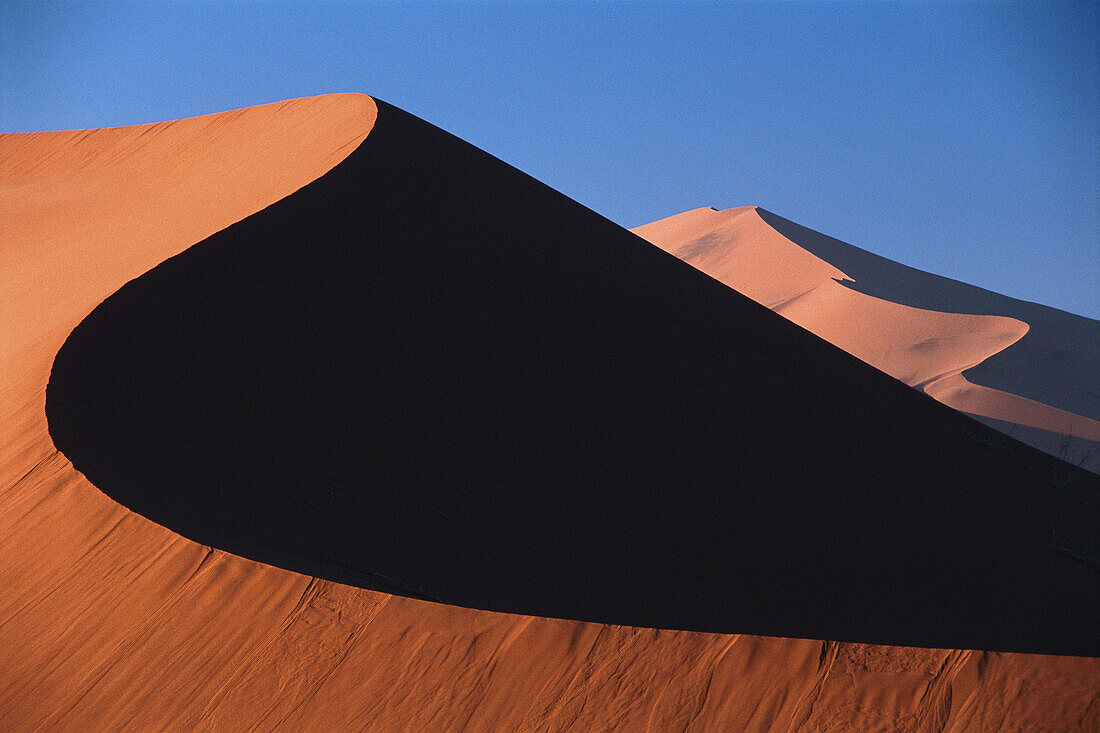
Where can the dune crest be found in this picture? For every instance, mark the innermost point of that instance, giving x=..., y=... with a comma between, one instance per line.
x=925, y=348
x=112, y=622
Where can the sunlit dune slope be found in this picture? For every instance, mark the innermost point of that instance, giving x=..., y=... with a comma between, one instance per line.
x=112, y=622
x=1029, y=370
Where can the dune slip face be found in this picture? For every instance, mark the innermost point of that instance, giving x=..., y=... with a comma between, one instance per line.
x=112, y=622
x=427, y=373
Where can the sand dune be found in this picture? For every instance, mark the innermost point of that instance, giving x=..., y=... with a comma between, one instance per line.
x=1029, y=369
x=113, y=622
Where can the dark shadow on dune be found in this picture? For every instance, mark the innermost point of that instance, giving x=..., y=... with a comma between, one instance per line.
x=428, y=373
x=1056, y=362
x=1071, y=449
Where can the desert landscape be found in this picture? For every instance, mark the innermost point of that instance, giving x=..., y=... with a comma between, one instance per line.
x=317, y=417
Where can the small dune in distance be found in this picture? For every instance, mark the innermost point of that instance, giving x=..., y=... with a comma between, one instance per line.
x=1030, y=371
x=316, y=417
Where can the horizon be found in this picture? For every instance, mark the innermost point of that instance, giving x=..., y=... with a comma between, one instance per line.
x=870, y=123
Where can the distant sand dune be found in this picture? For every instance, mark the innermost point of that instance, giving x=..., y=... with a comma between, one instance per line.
x=110, y=622
x=1025, y=364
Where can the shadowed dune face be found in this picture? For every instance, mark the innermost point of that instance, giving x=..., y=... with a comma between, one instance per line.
x=1026, y=369
x=427, y=373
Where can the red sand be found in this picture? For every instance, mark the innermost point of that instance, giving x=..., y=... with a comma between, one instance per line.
x=112, y=622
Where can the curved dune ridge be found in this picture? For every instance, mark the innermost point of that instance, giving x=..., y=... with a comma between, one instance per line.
x=111, y=621
x=919, y=328
x=427, y=373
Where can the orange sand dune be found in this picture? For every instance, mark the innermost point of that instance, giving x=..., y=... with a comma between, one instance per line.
x=111, y=622
x=924, y=348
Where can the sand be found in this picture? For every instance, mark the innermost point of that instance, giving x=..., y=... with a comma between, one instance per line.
x=929, y=347
x=113, y=622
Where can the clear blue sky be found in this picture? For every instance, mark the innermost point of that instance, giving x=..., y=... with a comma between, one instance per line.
x=963, y=139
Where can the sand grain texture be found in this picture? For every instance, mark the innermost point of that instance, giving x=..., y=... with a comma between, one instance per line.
x=112, y=622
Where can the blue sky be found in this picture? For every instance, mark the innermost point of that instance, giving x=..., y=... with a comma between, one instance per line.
x=963, y=139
